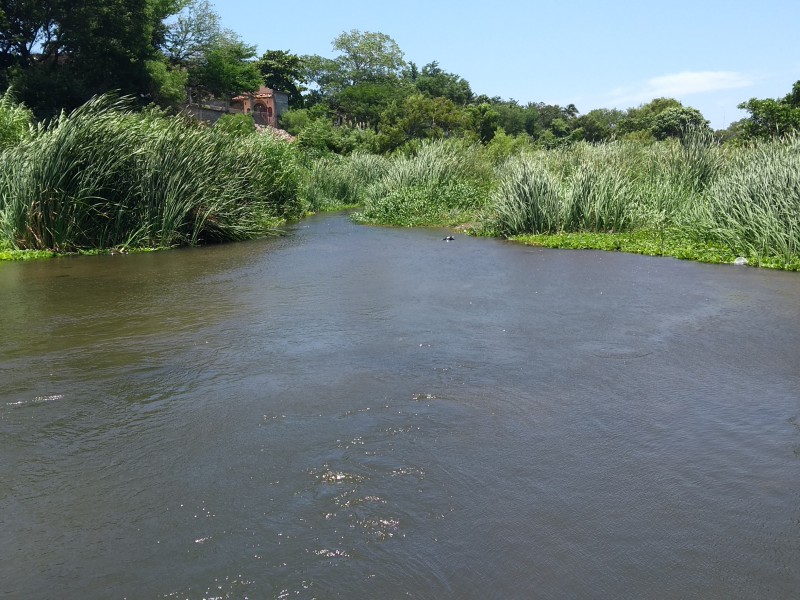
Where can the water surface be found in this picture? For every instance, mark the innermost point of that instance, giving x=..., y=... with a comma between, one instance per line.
x=354, y=412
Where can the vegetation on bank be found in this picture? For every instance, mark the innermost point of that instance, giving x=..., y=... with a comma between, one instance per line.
x=689, y=198
x=106, y=176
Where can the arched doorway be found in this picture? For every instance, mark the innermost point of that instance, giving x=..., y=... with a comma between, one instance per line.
x=262, y=114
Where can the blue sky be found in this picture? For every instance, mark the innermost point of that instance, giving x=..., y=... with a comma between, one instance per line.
x=711, y=55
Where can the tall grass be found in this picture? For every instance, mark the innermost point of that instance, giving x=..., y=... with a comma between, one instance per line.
x=746, y=199
x=442, y=182
x=755, y=207
x=334, y=181
x=105, y=176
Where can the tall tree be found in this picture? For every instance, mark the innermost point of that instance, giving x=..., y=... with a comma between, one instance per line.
x=228, y=69
x=283, y=71
x=58, y=53
x=435, y=82
x=192, y=33
x=368, y=56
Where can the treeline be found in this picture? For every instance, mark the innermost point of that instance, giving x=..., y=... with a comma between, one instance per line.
x=57, y=54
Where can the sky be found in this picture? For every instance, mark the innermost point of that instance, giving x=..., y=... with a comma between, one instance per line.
x=709, y=54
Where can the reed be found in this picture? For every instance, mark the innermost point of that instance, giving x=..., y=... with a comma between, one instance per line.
x=105, y=176
x=333, y=182
x=755, y=207
x=15, y=120
x=442, y=182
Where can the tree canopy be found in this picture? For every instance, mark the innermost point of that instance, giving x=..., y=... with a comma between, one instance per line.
x=772, y=117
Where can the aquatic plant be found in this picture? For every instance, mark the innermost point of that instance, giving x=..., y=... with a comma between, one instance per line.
x=442, y=181
x=106, y=176
x=755, y=208
x=334, y=181
x=15, y=120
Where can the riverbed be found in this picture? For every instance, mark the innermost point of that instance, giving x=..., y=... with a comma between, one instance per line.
x=359, y=412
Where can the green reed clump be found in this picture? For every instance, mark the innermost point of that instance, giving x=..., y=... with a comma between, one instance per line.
x=755, y=207
x=15, y=120
x=443, y=182
x=528, y=199
x=105, y=176
x=334, y=181
x=611, y=187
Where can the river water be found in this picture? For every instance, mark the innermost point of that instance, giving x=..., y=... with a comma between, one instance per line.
x=355, y=412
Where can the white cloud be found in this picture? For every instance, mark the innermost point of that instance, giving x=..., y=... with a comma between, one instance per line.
x=680, y=85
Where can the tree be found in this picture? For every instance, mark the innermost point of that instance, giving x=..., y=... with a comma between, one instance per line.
x=363, y=103
x=676, y=120
x=368, y=56
x=325, y=74
x=772, y=117
x=485, y=119
x=642, y=118
x=421, y=117
x=599, y=124
x=283, y=71
x=435, y=82
x=192, y=33
x=227, y=69
x=58, y=53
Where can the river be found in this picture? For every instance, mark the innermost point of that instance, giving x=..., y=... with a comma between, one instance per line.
x=358, y=412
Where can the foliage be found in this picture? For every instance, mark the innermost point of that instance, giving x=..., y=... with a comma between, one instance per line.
x=600, y=124
x=105, y=176
x=755, y=207
x=81, y=48
x=282, y=70
x=732, y=201
x=334, y=182
x=236, y=125
x=674, y=121
x=442, y=182
x=15, y=121
x=435, y=82
x=421, y=117
x=529, y=198
x=227, y=69
x=368, y=56
x=772, y=117
x=364, y=103
x=193, y=31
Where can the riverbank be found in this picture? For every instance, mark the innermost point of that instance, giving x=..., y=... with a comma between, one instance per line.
x=107, y=179
x=671, y=243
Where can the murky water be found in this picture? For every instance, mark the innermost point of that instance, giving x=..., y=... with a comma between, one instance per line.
x=352, y=412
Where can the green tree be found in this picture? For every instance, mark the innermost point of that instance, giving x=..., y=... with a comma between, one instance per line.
x=485, y=120
x=421, y=117
x=283, y=71
x=435, y=82
x=191, y=33
x=643, y=117
x=227, y=69
x=770, y=117
x=599, y=124
x=368, y=56
x=325, y=75
x=363, y=103
x=676, y=120
x=58, y=53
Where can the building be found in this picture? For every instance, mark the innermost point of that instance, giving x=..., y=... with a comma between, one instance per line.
x=266, y=105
